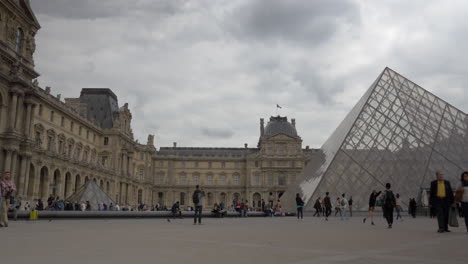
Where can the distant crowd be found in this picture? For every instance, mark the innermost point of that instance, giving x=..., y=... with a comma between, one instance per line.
x=444, y=203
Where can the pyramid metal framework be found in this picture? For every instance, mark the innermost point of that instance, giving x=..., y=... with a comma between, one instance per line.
x=91, y=192
x=398, y=133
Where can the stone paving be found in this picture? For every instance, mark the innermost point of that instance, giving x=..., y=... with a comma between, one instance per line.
x=231, y=240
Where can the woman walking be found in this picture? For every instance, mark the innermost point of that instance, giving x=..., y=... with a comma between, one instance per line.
x=300, y=206
x=398, y=207
x=372, y=201
x=461, y=195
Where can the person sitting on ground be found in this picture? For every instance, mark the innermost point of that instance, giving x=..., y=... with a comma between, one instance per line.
x=176, y=210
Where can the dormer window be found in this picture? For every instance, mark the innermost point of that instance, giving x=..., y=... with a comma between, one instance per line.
x=19, y=40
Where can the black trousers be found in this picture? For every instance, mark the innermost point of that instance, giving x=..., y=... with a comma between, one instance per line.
x=198, y=212
x=388, y=214
x=300, y=212
x=442, y=210
x=464, y=206
x=327, y=211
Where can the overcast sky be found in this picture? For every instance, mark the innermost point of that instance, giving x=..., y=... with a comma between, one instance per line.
x=202, y=73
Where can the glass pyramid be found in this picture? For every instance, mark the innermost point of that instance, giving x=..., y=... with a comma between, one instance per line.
x=91, y=192
x=397, y=133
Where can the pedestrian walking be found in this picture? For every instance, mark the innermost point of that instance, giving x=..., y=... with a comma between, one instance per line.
x=197, y=199
x=462, y=196
x=318, y=207
x=389, y=203
x=328, y=206
x=300, y=206
x=413, y=206
x=350, y=202
x=441, y=198
x=8, y=190
x=398, y=207
x=338, y=207
x=343, y=207
x=372, y=201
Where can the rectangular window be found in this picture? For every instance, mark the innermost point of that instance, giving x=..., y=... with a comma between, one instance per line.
x=106, y=141
x=51, y=116
x=142, y=173
x=183, y=179
x=282, y=180
x=40, y=110
x=270, y=179
x=94, y=137
x=196, y=179
x=222, y=180
x=72, y=126
x=210, y=164
x=79, y=131
x=87, y=134
x=257, y=179
x=182, y=164
x=62, y=121
x=256, y=164
x=223, y=164
x=210, y=180
x=142, y=156
x=196, y=164
x=236, y=179
x=236, y=164
x=161, y=178
x=161, y=163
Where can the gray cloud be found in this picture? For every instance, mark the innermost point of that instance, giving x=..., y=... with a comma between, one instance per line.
x=203, y=73
x=296, y=20
x=91, y=9
x=217, y=133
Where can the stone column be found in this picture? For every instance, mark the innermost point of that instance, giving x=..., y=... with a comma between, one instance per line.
x=28, y=119
x=26, y=177
x=19, y=113
x=14, y=102
x=22, y=175
x=31, y=123
x=7, y=162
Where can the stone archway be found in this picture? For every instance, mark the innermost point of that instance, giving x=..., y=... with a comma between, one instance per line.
x=222, y=198
x=256, y=198
x=68, y=185
x=43, y=183
x=77, y=182
x=31, y=181
x=56, y=183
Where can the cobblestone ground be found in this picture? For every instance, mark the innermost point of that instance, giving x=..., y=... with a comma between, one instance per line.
x=231, y=240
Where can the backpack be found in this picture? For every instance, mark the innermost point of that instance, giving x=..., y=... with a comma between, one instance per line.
x=389, y=199
x=343, y=203
x=195, y=198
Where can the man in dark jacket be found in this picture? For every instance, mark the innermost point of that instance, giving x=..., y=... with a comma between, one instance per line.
x=441, y=198
x=328, y=206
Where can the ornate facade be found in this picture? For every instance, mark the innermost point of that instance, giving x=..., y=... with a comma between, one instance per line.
x=53, y=146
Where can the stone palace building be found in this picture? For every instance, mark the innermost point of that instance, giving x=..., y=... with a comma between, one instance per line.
x=53, y=145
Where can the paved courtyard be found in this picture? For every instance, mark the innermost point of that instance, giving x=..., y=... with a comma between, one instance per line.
x=230, y=240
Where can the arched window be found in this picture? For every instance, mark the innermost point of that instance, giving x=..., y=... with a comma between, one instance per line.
x=19, y=40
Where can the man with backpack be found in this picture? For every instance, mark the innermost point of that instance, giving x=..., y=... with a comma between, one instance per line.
x=328, y=206
x=389, y=202
x=197, y=199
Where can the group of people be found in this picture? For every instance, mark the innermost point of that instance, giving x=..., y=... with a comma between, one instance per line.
x=324, y=206
x=442, y=199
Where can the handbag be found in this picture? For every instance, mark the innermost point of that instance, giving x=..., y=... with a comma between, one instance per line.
x=453, y=220
x=459, y=194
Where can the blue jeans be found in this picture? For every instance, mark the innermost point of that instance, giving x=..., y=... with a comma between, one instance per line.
x=198, y=212
x=300, y=212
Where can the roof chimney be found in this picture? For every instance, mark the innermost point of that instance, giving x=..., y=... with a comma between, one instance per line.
x=293, y=122
x=262, y=127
